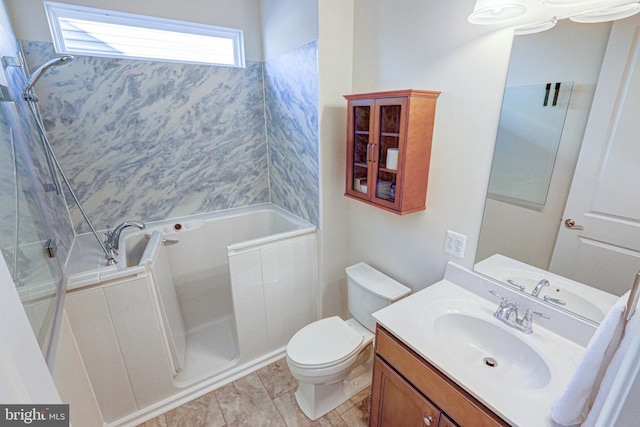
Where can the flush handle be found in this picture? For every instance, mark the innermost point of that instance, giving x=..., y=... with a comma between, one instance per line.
x=428, y=420
x=570, y=223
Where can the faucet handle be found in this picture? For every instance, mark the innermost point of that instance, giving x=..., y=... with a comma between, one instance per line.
x=554, y=300
x=530, y=313
x=492, y=292
x=516, y=284
x=527, y=320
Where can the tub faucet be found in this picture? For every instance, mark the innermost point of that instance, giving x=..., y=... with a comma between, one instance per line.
x=541, y=284
x=113, y=236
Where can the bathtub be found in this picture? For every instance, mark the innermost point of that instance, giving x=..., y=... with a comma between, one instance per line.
x=223, y=293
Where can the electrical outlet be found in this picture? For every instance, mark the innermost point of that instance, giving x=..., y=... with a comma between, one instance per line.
x=455, y=243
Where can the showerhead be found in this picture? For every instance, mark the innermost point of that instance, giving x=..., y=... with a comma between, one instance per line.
x=27, y=93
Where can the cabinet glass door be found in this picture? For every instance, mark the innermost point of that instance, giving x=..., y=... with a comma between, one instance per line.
x=387, y=146
x=362, y=150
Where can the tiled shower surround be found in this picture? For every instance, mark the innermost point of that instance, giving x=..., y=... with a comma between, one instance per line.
x=155, y=140
x=291, y=88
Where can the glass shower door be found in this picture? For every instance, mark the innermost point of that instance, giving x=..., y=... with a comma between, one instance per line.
x=25, y=233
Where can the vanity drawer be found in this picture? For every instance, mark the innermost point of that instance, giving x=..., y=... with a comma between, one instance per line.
x=459, y=405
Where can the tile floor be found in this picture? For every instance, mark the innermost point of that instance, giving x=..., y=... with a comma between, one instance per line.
x=263, y=398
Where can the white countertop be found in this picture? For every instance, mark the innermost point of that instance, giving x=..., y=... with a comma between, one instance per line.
x=518, y=403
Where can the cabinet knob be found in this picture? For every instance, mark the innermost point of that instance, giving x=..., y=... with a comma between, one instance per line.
x=428, y=421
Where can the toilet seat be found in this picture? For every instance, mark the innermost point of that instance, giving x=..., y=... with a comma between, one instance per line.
x=323, y=344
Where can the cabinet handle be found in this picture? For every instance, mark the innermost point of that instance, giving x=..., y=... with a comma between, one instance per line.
x=428, y=420
x=370, y=152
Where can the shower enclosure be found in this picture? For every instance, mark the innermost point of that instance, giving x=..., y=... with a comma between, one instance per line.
x=27, y=235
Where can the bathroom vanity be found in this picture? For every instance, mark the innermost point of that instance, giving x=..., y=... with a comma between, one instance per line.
x=408, y=390
x=443, y=359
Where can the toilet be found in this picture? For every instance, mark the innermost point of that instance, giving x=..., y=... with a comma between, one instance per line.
x=332, y=358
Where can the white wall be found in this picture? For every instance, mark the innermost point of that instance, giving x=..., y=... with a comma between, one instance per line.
x=335, y=58
x=30, y=21
x=568, y=52
x=430, y=45
x=287, y=24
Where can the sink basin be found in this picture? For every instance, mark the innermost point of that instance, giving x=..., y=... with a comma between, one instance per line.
x=487, y=349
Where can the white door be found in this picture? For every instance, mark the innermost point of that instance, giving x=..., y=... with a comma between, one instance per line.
x=602, y=249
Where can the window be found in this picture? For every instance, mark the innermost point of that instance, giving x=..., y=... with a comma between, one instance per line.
x=95, y=32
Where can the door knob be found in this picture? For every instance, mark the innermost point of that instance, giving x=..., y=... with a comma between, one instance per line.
x=570, y=223
x=428, y=421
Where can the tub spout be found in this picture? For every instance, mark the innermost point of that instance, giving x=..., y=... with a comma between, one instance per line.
x=113, y=236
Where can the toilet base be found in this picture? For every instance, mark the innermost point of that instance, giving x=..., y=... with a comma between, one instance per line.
x=316, y=400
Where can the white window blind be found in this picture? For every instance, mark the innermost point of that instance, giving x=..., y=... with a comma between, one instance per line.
x=79, y=30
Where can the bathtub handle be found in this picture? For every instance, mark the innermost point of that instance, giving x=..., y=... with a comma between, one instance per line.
x=164, y=241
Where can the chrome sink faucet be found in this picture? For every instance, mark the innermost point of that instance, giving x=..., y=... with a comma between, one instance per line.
x=507, y=313
x=541, y=284
x=113, y=239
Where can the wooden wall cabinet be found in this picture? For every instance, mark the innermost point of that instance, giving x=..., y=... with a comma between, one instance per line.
x=389, y=148
x=408, y=391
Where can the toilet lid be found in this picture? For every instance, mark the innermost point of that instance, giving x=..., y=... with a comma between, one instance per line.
x=323, y=342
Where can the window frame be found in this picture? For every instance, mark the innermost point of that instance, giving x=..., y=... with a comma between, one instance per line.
x=55, y=11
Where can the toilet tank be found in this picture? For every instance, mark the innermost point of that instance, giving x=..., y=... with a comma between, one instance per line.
x=370, y=290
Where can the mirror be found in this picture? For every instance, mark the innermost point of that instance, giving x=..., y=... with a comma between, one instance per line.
x=523, y=214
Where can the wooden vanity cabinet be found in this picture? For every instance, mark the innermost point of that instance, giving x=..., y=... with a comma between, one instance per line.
x=389, y=148
x=396, y=403
x=408, y=391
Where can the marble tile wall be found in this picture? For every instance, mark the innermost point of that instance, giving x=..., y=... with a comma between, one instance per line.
x=291, y=95
x=155, y=140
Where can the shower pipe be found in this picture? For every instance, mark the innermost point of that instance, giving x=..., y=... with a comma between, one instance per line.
x=32, y=99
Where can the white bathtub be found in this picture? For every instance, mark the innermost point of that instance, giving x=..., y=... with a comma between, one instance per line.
x=234, y=273
x=228, y=290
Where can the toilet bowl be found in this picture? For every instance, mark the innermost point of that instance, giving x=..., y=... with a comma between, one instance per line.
x=332, y=358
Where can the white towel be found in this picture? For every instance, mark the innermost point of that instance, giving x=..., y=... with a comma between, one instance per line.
x=612, y=371
x=573, y=406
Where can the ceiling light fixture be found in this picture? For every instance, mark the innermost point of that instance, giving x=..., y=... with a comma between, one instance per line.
x=607, y=14
x=536, y=28
x=495, y=11
x=567, y=3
